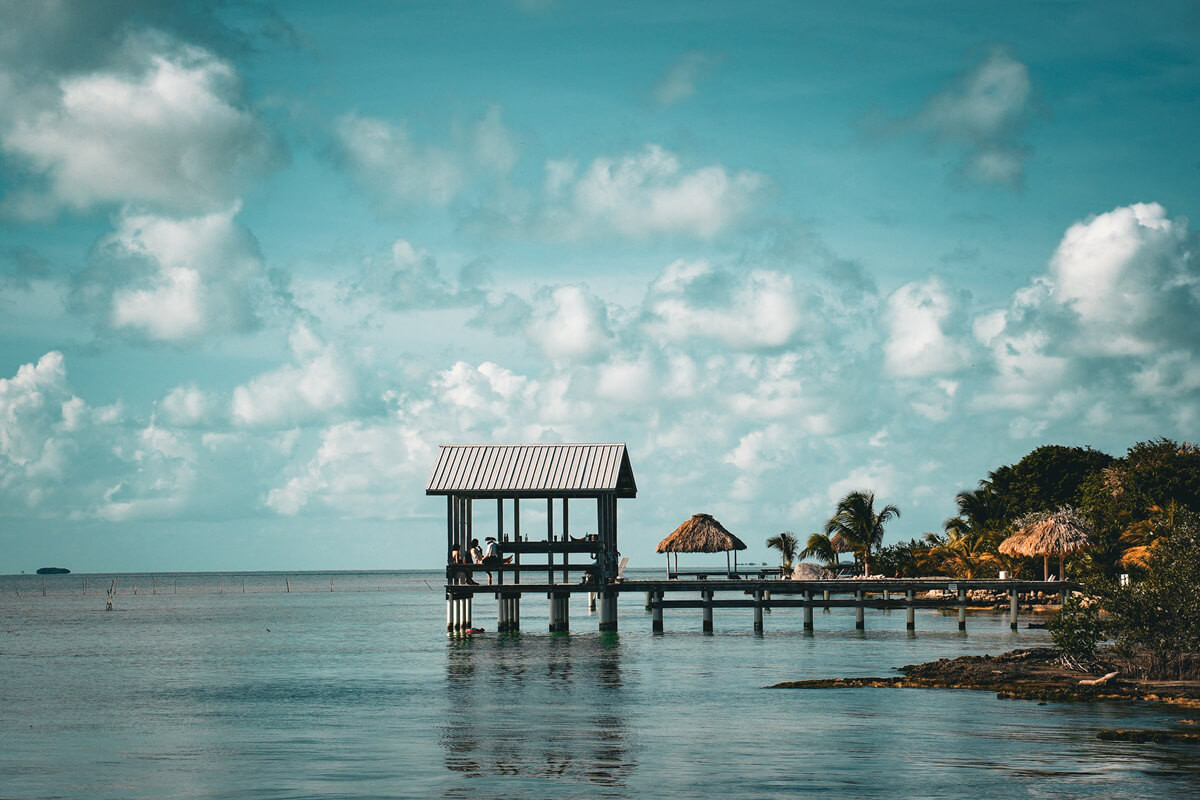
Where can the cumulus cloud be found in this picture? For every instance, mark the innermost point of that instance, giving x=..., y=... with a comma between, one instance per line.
x=984, y=111
x=1132, y=278
x=916, y=315
x=189, y=406
x=570, y=324
x=680, y=81
x=320, y=382
x=408, y=277
x=645, y=193
x=695, y=300
x=171, y=132
x=399, y=171
x=168, y=279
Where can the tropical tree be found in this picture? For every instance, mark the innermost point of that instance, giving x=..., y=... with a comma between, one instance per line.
x=821, y=546
x=857, y=522
x=786, y=543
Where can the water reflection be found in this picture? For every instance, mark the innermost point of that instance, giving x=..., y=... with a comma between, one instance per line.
x=538, y=709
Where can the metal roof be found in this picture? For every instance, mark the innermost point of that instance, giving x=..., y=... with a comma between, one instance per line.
x=532, y=470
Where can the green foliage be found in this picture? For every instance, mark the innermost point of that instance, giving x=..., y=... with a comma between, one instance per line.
x=820, y=546
x=1157, y=619
x=901, y=560
x=1049, y=477
x=1076, y=631
x=859, y=525
x=786, y=543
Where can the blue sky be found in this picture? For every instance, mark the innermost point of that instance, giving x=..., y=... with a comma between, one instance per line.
x=257, y=262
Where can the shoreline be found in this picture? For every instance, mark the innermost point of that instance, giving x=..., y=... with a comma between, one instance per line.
x=1023, y=674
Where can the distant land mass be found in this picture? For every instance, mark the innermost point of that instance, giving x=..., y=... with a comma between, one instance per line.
x=54, y=571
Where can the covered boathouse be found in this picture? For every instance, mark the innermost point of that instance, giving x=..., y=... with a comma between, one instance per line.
x=509, y=474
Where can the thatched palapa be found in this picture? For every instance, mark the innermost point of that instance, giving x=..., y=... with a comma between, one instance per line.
x=700, y=534
x=1059, y=533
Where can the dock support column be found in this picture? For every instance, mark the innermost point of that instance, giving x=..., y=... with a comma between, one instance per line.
x=649, y=599
x=608, y=611
x=508, y=616
x=758, y=612
x=458, y=614
x=1012, y=609
x=859, y=611
x=808, y=612
x=767, y=598
x=911, y=621
x=591, y=602
x=560, y=618
x=962, y=608
x=656, y=623
x=708, y=617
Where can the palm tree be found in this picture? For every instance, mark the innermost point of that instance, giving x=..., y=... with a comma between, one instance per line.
x=821, y=546
x=786, y=543
x=856, y=521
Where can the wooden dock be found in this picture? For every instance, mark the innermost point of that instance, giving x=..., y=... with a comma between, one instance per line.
x=757, y=594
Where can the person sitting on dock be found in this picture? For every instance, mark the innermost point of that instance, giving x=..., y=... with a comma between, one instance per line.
x=491, y=556
x=456, y=557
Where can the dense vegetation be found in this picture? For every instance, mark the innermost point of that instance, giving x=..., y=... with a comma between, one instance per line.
x=1138, y=514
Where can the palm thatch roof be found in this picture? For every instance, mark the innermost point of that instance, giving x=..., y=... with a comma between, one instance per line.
x=1055, y=534
x=700, y=534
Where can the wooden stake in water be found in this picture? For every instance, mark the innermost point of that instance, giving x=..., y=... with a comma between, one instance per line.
x=287, y=585
x=155, y=591
x=112, y=588
x=331, y=584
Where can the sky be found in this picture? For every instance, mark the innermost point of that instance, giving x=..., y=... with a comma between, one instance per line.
x=257, y=262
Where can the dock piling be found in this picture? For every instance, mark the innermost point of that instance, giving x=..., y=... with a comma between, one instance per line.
x=656, y=623
x=608, y=611
x=1012, y=609
x=708, y=614
x=758, y=612
x=962, y=608
x=859, y=611
x=910, y=621
x=560, y=617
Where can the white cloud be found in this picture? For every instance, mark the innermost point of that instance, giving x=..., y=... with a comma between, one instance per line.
x=693, y=300
x=188, y=406
x=646, y=193
x=399, y=171
x=172, y=133
x=174, y=280
x=571, y=324
x=917, y=344
x=1132, y=278
x=985, y=111
x=319, y=383
x=680, y=81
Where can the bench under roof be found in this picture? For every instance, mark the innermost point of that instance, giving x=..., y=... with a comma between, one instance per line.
x=532, y=470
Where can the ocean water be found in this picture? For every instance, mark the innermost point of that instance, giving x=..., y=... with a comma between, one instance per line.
x=232, y=686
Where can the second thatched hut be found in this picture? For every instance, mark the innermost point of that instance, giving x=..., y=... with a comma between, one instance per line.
x=1058, y=533
x=701, y=534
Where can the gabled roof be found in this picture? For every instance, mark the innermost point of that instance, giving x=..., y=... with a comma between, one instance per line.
x=532, y=470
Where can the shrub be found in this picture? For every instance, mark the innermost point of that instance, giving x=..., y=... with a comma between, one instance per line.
x=1076, y=631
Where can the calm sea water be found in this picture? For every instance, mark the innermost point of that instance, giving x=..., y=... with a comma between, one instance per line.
x=230, y=686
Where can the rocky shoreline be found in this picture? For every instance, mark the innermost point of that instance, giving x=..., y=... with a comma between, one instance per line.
x=1029, y=674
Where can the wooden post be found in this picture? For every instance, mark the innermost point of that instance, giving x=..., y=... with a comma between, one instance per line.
x=707, y=595
x=758, y=612
x=608, y=611
x=859, y=620
x=767, y=597
x=962, y=608
x=517, y=537
x=500, y=539
x=649, y=600
x=566, y=537
x=591, y=602
x=808, y=612
x=560, y=612
x=911, y=621
x=656, y=624
x=1012, y=609
x=549, y=551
